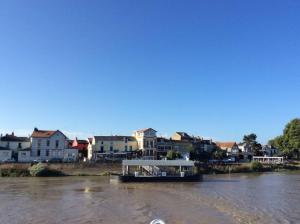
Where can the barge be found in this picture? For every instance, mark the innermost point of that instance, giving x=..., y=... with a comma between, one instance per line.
x=159, y=171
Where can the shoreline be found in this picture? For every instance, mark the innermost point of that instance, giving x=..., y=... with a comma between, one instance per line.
x=107, y=169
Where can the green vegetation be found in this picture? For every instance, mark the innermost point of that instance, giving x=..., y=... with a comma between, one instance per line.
x=172, y=155
x=256, y=166
x=289, y=142
x=219, y=154
x=42, y=170
x=251, y=140
x=14, y=172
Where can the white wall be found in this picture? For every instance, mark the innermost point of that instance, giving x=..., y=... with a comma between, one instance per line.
x=5, y=155
x=54, y=152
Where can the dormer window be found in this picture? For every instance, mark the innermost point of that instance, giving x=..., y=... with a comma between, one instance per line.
x=48, y=143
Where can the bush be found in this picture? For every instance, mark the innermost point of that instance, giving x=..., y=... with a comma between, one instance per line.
x=14, y=172
x=256, y=166
x=42, y=170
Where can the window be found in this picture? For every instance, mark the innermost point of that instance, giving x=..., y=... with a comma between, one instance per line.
x=101, y=149
x=126, y=140
x=111, y=148
x=48, y=143
x=130, y=148
x=39, y=143
x=38, y=152
x=47, y=152
x=102, y=142
x=56, y=143
x=19, y=145
x=7, y=145
x=125, y=148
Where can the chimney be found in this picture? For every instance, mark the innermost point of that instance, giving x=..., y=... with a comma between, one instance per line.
x=13, y=134
x=36, y=129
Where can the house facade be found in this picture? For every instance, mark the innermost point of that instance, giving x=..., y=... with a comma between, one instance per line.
x=147, y=143
x=269, y=151
x=47, y=144
x=102, y=147
x=5, y=154
x=231, y=148
x=14, y=143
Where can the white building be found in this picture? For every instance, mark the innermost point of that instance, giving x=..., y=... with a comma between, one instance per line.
x=14, y=143
x=70, y=155
x=269, y=150
x=24, y=156
x=5, y=154
x=47, y=145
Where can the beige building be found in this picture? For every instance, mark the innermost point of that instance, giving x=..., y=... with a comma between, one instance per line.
x=116, y=147
x=102, y=146
x=147, y=142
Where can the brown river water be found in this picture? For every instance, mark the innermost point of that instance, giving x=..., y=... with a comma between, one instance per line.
x=238, y=198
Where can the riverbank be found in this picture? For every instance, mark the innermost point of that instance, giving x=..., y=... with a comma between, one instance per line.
x=105, y=169
x=252, y=167
x=60, y=169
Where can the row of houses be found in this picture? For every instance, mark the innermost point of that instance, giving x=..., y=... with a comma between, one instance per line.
x=47, y=145
x=244, y=151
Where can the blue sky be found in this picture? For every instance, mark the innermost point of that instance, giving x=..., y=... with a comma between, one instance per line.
x=218, y=69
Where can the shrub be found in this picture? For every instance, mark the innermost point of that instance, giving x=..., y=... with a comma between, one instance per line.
x=42, y=170
x=256, y=166
x=14, y=172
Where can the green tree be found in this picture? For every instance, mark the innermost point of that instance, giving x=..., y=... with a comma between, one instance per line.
x=219, y=154
x=171, y=155
x=251, y=140
x=289, y=142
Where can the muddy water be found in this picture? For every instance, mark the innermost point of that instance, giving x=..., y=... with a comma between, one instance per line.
x=266, y=198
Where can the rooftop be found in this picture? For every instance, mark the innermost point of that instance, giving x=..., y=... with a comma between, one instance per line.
x=13, y=138
x=158, y=163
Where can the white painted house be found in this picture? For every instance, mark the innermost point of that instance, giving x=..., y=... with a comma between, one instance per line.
x=14, y=143
x=5, y=154
x=47, y=145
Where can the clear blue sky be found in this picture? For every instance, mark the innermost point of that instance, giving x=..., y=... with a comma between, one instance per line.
x=217, y=69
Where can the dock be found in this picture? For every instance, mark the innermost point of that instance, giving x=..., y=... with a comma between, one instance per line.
x=159, y=171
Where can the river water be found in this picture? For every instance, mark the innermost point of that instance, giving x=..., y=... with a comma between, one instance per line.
x=265, y=198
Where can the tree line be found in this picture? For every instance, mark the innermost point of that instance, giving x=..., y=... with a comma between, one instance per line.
x=289, y=142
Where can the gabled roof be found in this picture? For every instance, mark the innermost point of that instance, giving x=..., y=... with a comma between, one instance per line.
x=146, y=129
x=13, y=138
x=183, y=134
x=114, y=138
x=226, y=144
x=43, y=133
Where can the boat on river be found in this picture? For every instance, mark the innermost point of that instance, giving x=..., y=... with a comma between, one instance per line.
x=159, y=171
